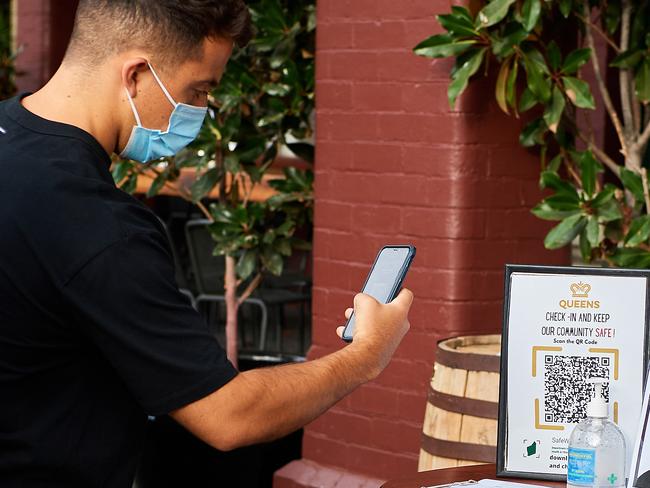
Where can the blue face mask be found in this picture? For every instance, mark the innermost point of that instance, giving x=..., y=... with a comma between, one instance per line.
x=148, y=144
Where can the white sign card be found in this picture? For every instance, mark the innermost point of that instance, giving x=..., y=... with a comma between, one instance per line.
x=563, y=326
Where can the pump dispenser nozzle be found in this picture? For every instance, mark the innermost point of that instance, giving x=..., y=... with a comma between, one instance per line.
x=598, y=406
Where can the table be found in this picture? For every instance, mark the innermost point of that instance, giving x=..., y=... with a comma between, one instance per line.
x=464, y=473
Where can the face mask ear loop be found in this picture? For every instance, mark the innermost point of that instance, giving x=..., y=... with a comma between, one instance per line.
x=162, y=87
x=135, y=110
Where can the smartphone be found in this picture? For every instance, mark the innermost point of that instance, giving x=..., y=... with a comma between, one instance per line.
x=385, y=278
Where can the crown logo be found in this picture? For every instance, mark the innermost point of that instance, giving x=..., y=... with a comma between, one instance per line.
x=580, y=290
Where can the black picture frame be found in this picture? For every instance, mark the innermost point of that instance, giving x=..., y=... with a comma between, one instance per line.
x=503, y=379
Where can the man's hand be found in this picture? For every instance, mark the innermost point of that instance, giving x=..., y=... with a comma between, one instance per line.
x=379, y=328
x=264, y=404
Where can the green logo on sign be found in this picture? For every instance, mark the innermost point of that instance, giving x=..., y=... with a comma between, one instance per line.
x=612, y=479
x=532, y=449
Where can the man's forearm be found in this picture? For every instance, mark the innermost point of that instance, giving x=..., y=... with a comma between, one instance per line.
x=263, y=404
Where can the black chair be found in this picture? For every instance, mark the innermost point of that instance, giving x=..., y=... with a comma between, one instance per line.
x=209, y=273
x=295, y=277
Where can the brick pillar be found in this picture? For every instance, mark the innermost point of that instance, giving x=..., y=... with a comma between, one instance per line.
x=42, y=28
x=395, y=165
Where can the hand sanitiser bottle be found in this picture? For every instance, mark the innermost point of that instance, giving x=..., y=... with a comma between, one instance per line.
x=596, y=446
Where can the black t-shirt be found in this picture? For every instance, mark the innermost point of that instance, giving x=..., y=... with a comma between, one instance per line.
x=94, y=334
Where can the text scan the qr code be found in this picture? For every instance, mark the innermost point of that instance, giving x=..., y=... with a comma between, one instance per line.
x=566, y=390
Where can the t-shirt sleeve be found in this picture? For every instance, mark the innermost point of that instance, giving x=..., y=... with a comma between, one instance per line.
x=127, y=303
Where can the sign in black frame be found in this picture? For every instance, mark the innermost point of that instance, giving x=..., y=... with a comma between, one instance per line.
x=503, y=380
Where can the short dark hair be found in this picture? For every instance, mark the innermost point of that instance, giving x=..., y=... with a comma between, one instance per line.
x=172, y=29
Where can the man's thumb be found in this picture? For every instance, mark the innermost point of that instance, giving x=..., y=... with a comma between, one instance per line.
x=404, y=299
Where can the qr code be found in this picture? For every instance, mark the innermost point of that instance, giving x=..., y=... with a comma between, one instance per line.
x=566, y=390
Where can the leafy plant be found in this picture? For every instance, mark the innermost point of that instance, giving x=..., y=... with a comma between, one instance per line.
x=599, y=197
x=264, y=104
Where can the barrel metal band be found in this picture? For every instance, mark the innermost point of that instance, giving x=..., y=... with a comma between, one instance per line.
x=463, y=405
x=469, y=361
x=459, y=450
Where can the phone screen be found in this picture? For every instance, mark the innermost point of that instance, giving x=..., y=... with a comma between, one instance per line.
x=383, y=278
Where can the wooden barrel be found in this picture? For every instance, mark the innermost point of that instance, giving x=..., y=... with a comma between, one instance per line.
x=460, y=423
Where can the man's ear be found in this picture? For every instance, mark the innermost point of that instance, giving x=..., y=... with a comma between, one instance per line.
x=131, y=69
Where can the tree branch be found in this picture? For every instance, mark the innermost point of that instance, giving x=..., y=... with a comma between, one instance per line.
x=624, y=74
x=600, y=32
x=602, y=86
x=644, y=138
x=646, y=193
x=250, y=289
x=602, y=156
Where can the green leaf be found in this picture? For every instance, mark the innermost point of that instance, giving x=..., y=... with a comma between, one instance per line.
x=546, y=211
x=527, y=101
x=639, y=231
x=120, y=170
x=283, y=246
x=206, y=182
x=494, y=12
x=533, y=133
x=282, y=52
x=442, y=46
x=501, y=85
x=270, y=119
x=554, y=55
x=287, y=228
x=589, y=169
x=276, y=89
x=231, y=163
x=609, y=211
x=158, y=183
x=537, y=83
x=628, y=59
x=604, y=196
x=578, y=92
x=272, y=261
x=530, y=13
x=511, y=86
x=469, y=65
x=563, y=233
x=130, y=184
x=564, y=201
x=513, y=36
x=267, y=42
x=457, y=24
x=612, y=16
x=554, y=110
x=461, y=12
x=538, y=59
x=269, y=236
x=554, y=164
x=550, y=179
x=631, y=258
x=632, y=183
x=593, y=231
x=585, y=246
x=565, y=7
x=246, y=264
x=575, y=60
x=642, y=81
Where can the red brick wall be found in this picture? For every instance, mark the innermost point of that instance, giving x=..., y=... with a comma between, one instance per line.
x=42, y=31
x=394, y=164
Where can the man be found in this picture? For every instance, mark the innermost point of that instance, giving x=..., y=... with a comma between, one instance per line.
x=94, y=334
